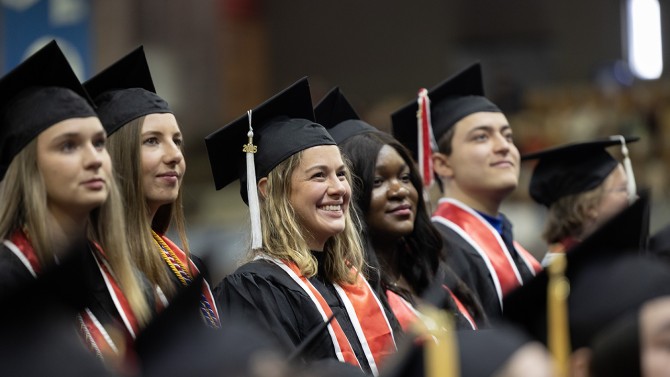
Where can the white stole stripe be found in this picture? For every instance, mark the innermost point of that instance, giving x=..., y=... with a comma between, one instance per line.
x=296, y=278
x=527, y=263
x=493, y=231
x=161, y=296
x=482, y=253
x=19, y=254
x=119, y=308
x=381, y=308
x=209, y=290
x=357, y=327
x=102, y=330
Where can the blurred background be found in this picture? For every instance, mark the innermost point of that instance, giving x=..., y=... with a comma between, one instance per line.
x=558, y=69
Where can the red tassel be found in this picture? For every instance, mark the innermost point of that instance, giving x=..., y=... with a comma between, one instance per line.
x=425, y=139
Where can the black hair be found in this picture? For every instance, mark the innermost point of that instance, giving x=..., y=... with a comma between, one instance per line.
x=420, y=251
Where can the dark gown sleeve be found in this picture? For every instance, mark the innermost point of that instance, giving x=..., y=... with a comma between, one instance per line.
x=202, y=267
x=13, y=273
x=659, y=244
x=508, y=238
x=465, y=295
x=468, y=265
x=264, y=294
x=99, y=301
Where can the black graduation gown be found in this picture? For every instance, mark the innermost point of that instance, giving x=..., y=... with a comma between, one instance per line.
x=471, y=268
x=659, y=244
x=14, y=274
x=262, y=292
x=445, y=275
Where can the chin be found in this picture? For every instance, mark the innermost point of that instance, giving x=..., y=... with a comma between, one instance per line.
x=335, y=230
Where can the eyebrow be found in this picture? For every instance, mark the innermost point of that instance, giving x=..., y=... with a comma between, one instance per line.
x=324, y=167
x=160, y=133
x=489, y=128
x=69, y=135
x=402, y=166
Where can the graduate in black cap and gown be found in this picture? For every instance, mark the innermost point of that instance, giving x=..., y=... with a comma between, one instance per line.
x=397, y=233
x=306, y=258
x=617, y=294
x=57, y=187
x=461, y=136
x=582, y=186
x=146, y=146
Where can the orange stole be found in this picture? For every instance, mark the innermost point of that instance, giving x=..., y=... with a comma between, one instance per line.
x=374, y=334
x=406, y=313
x=193, y=270
x=487, y=241
x=403, y=310
x=461, y=308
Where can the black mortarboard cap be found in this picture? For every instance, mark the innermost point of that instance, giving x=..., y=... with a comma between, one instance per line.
x=450, y=101
x=595, y=298
x=125, y=91
x=485, y=352
x=480, y=353
x=338, y=116
x=571, y=168
x=282, y=126
x=40, y=92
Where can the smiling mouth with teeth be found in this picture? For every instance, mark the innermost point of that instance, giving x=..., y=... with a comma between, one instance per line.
x=332, y=208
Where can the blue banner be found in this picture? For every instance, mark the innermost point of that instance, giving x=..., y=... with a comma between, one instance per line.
x=30, y=24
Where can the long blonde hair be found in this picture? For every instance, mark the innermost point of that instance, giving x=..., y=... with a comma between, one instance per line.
x=124, y=147
x=24, y=198
x=284, y=236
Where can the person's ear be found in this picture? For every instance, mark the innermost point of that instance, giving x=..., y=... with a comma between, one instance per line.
x=263, y=187
x=442, y=165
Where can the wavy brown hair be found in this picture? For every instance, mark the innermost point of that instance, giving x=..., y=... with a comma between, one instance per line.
x=567, y=215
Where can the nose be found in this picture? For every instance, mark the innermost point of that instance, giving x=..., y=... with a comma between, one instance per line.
x=502, y=144
x=338, y=187
x=173, y=154
x=397, y=189
x=93, y=157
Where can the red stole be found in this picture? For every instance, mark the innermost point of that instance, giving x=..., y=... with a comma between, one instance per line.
x=406, y=313
x=487, y=242
x=95, y=335
x=193, y=270
x=374, y=333
x=461, y=308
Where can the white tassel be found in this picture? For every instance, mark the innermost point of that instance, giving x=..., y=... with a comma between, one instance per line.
x=252, y=190
x=628, y=167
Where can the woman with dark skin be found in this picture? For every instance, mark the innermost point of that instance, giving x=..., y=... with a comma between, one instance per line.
x=398, y=235
x=398, y=229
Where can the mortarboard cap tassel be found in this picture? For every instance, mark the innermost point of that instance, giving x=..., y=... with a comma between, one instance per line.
x=252, y=191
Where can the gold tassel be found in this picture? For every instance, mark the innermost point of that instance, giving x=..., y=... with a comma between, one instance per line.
x=440, y=345
x=558, y=332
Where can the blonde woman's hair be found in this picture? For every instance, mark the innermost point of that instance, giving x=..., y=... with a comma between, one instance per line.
x=124, y=147
x=567, y=216
x=285, y=238
x=23, y=193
